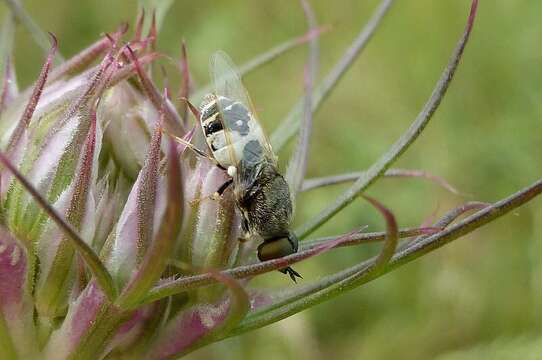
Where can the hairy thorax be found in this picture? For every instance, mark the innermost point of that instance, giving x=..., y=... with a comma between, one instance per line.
x=265, y=204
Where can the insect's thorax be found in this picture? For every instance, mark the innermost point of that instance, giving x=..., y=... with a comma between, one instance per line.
x=231, y=132
x=265, y=201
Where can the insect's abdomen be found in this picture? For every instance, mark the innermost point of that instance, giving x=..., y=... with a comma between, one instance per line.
x=242, y=138
x=267, y=205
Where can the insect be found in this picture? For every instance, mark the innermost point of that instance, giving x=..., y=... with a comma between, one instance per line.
x=239, y=146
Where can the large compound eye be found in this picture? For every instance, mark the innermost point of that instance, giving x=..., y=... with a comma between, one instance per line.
x=276, y=249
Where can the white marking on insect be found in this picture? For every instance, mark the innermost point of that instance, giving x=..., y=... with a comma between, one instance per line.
x=232, y=170
x=238, y=123
x=207, y=106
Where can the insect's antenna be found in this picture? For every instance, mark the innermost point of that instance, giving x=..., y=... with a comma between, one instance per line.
x=194, y=110
x=190, y=146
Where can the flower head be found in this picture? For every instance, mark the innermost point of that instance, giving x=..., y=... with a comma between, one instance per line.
x=110, y=243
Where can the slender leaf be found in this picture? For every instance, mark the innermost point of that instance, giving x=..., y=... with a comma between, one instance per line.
x=392, y=234
x=138, y=32
x=184, y=92
x=33, y=100
x=17, y=141
x=87, y=327
x=56, y=256
x=452, y=215
x=135, y=228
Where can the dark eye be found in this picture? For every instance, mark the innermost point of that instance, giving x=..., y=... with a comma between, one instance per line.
x=213, y=126
x=275, y=249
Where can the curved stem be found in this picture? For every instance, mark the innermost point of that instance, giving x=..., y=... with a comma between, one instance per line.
x=335, y=284
x=315, y=183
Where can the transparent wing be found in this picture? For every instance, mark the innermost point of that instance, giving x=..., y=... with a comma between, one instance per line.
x=227, y=84
x=226, y=79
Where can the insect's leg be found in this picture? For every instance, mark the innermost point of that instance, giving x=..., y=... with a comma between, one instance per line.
x=244, y=227
x=224, y=186
x=216, y=195
x=242, y=240
x=292, y=273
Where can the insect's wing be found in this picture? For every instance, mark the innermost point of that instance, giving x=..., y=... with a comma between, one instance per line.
x=226, y=79
x=227, y=84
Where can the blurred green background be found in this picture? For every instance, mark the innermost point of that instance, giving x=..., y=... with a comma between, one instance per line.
x=479, y=297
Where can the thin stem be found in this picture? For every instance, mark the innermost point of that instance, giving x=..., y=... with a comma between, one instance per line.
x=314, y=183
x=297, y=166
x=190, y=282
x=451, y=215
x=289, y=126
x=402, y=144
x=365, y=238
x=429, y=244
x=335, y=284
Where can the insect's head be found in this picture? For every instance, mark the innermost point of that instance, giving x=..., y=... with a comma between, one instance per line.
x=277, y=248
